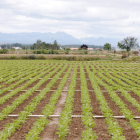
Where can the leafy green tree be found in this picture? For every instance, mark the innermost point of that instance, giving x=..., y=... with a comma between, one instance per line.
x=55, y=44
x=107, y=46
x=128, y=43
x=24, y=48
x=4, y=51
x=67, y=50
x=38, y=43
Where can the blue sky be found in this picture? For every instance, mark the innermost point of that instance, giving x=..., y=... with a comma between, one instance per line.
x=80, y=18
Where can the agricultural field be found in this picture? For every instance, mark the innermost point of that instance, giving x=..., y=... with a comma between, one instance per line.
x=51, y=100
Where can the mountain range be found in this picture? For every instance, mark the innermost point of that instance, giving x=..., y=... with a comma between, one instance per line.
x=61, y=37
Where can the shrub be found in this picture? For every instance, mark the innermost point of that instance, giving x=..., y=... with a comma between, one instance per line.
x=24, y=57
x=107, y=54
x=41, y=57
x=37, y=52
x=124, y=55
x=34, y=52
x=135, y=52
x=66, y=52
x=32, y=57
x=4, y=51
x=135, y=58
x=45, y=52
x=55, y=52
x=85, y=52
x=51, y=52
x=74, y=58
x=13, y=57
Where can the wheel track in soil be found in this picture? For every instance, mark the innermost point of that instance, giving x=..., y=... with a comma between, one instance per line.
x=51, y=128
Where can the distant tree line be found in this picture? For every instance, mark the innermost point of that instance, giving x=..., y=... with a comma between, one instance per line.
x=107, y=46
x=78, y=46
x=43, y=45
x=9, y=46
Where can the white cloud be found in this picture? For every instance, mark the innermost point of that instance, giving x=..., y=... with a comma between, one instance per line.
x=80, y=18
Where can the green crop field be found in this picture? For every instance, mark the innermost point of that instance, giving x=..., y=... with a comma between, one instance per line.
x=51, y=100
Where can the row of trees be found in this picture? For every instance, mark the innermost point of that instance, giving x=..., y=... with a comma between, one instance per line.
x=127, y=43
x=9, y=46
x=43, y=45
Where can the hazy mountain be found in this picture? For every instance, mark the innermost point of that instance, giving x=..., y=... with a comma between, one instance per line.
x=61, y=37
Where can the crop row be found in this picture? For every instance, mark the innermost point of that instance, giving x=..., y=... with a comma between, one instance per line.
x=123, y=109
x=40, y=123
x=21, y=81
x=23, y=97
x=29, y=109
x=87, y=117
x=65, y=117
x=37, y=76
x=22, y=74
x=126, y=112
x=11, y=73
x=124, y=92
x=112, y=125
x=14, y=70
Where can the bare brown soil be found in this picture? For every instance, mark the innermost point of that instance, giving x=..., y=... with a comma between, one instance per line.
x=78, y=75
x=115, y=109
x=32, y=85
x=77, y=105
x=76, y=126
x=5, y=121
x=9, y=102
x=133, y=95
x=129, y=133
x=23, y=130
x=44, y=84
x=4, y=94
x=129, y=105
x=78, y=85
x=25, y=103
x=122, y=122
x=49, y=132
x=43, y=103
x=100, y=129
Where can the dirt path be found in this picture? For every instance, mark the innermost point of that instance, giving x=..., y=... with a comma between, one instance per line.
x=51, y=128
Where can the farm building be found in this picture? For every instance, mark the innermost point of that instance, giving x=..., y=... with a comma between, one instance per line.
x=74, y=48
x=17, y=48
x=78, y=48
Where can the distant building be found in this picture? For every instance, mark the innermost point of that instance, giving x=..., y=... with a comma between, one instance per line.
x=97, y=48
x=91, y=49
x=0, y=47
x=60, y=48
x=17, y=48
x=78, y=49
x=74, y=48
x=84, y=47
